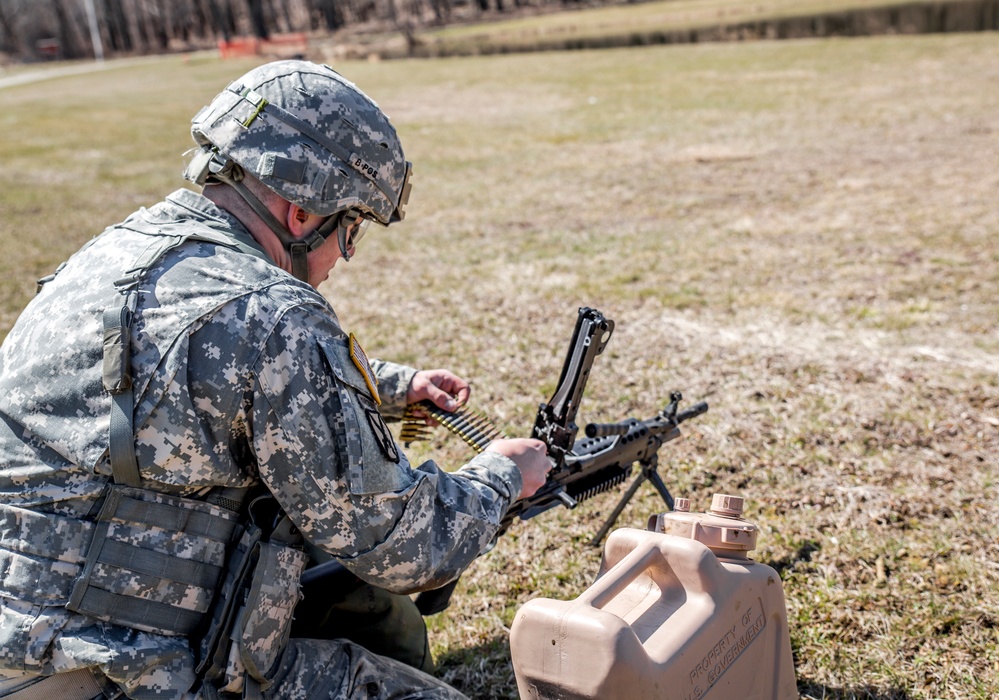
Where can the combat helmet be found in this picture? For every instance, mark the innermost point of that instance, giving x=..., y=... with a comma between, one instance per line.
x=315, y=139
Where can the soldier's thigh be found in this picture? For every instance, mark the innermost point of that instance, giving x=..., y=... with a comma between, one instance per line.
x=382, y=622
x=311, y=669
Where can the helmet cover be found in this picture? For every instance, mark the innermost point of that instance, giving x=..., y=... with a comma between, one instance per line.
x=312, y=137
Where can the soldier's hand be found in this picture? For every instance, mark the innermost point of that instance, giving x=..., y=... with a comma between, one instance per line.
x=445, y=389
x=530, y=456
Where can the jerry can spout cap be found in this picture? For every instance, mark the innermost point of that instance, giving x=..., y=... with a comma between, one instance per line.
x=727, y=506
x=722, y=529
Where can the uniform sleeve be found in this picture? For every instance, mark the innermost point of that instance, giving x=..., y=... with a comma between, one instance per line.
x=324, y=452
x=393, y=385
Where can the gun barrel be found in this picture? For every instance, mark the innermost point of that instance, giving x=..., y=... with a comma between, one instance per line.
x=692, y=412
x=595, y=430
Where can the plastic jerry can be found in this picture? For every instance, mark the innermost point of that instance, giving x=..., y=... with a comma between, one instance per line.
x=677, y=612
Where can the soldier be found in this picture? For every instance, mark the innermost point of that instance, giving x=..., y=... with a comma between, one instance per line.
x=184, y=426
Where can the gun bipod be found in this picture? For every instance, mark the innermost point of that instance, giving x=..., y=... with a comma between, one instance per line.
x=648, y=471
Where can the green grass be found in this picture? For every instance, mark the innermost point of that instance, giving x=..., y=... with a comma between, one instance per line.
x=801, y=233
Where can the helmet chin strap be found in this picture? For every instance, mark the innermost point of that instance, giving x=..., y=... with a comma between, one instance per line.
x=231, y=173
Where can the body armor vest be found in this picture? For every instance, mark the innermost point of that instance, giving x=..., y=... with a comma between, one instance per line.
x=218, y=570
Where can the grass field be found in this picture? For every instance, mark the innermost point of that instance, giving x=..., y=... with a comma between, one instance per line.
x=641, y=17
x=802, y=234
x=529, y=28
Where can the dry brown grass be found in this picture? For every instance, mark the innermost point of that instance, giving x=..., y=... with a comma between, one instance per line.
x=800, y=233
x=528, y=27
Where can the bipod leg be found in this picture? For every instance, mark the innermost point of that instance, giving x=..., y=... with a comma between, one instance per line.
x=616, y=513
x=650, y=470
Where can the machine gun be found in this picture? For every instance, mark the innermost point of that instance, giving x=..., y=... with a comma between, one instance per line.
x=581, y=468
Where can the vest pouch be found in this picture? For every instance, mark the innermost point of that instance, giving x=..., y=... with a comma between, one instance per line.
x=252, y=615
x=264, y=622
x=215, y=643
x=41, y=554
x=155, y=561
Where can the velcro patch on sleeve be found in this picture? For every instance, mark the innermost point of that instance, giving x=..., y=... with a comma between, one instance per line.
x=378, y=428
x=360, y=361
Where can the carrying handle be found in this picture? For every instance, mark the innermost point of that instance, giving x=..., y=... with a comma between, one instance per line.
x=629, y=553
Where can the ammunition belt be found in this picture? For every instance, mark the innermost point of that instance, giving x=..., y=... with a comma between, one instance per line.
x=471, y=426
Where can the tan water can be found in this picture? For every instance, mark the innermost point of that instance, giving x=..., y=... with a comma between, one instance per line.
x=678, y=612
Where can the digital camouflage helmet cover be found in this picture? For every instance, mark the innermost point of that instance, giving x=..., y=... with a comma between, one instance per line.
x=312, y=137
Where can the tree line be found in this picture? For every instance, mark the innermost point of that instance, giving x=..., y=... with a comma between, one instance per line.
x=72, y=29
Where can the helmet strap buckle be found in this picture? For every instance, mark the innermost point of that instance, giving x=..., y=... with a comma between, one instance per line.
x=299, y=252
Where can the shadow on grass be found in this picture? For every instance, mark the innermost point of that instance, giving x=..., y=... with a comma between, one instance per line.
x=482, y=671
x=803, y=555
x=813, y=691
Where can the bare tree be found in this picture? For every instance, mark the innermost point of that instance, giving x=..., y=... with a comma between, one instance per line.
x=158, y=23
x=281, y=15
x=203, y=20
x=64, y=30
x=258, y=18
x=223, y=18
x=442, y=10
x=72, y=28
x=331, y=14
x=115, y=24
x=135, y=28
x=10, y=40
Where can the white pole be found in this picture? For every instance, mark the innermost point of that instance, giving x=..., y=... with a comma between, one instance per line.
x=95, y=33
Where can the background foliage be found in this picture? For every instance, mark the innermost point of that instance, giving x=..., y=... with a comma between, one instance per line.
x=32, y=30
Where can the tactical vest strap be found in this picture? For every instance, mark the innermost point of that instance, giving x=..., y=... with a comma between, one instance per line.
x=117, y=365
x=147, y=562
x=168, y=517
x=118, y=381
x=141, y=614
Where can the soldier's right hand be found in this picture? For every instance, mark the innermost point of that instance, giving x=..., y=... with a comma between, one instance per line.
x=530, y=456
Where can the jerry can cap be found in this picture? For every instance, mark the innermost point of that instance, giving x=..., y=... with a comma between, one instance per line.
x=722, y=529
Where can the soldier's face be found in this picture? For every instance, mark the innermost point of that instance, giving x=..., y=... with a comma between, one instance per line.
x=322, y=260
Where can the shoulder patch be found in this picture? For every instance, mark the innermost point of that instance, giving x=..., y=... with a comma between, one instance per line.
x=378, y=428
x=361, y=362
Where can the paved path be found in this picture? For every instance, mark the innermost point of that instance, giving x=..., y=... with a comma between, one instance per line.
x=36, y=75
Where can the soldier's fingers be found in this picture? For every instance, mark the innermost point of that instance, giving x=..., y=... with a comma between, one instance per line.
x=441, y=398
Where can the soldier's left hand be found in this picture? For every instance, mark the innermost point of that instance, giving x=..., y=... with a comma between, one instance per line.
x=445, y=389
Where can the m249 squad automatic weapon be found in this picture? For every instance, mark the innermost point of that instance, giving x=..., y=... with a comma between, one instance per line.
x=581, y=468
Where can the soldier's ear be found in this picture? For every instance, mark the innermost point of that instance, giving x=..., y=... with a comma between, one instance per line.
x=297, y=217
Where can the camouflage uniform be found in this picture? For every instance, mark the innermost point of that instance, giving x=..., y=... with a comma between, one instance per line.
x=242, y=378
